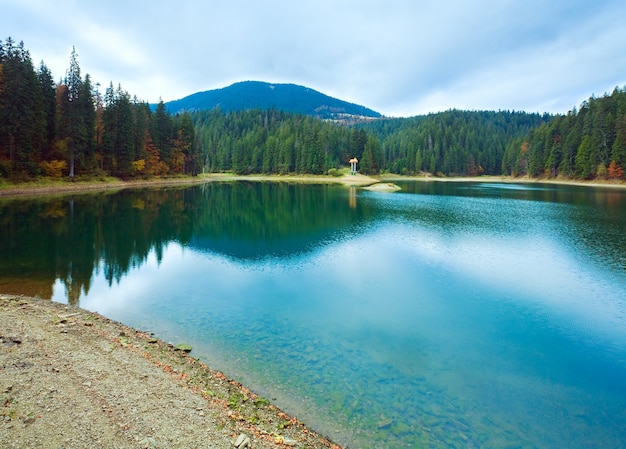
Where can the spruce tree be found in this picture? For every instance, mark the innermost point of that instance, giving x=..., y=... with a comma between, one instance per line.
x=73, y=127
x=49, y=106
x=21, y=122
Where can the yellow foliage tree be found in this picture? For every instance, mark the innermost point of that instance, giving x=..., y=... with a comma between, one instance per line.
x=54, y=169
x=139, y=167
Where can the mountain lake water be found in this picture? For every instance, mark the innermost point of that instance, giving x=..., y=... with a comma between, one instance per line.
x=446, y=315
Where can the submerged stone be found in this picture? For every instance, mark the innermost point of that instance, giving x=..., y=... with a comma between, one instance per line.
x=183, y=347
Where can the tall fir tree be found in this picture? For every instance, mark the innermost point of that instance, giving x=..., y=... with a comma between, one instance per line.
x=48, y=96
x=22, y=126
x=72, y=127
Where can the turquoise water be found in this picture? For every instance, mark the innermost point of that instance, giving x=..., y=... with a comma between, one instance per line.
x=446, y=315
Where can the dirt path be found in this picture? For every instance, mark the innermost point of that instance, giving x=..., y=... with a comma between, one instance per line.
x=74, y=379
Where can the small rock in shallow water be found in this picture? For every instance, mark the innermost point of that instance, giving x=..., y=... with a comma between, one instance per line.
x=384, y=424
x=183, y=347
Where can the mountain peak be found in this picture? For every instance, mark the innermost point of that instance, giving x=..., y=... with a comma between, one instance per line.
x=246, y=95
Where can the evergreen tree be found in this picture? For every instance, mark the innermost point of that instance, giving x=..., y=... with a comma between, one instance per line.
x=22, y=124
x=109, y=127
x=186, y=144
x=162, y=131
x=124, y=134
x=73, y=123
x=87, y=112
x=142, y=118
x=585, y=158
x=618, y=152
x=48, y=95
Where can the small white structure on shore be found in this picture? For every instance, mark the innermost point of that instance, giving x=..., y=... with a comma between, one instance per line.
x=353, y=163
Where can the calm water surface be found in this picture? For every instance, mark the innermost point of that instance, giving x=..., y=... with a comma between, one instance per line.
x=448, y=315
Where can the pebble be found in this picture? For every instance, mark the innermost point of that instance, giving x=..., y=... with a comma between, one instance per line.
x=147, y=442
x=242, y=441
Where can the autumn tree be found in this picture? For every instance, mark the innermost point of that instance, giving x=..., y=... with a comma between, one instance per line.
x=615, y=171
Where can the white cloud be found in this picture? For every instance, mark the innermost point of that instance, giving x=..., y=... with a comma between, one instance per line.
x=399, y=57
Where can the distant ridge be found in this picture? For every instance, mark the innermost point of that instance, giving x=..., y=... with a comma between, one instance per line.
x=248, y=95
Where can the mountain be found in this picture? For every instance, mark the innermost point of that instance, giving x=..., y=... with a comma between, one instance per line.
x=248, y=95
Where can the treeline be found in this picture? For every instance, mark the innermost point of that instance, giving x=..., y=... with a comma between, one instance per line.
x=451, y=143
x=68, y=128
x=587, y=143
x=277, y=142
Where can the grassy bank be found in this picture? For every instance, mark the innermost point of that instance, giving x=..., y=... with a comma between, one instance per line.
x=50, y=186
x=389, y=177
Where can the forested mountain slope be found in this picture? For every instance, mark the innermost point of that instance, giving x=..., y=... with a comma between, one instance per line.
x=249, y=95
x=453, y=142
x=587, y=143
x=450, y=143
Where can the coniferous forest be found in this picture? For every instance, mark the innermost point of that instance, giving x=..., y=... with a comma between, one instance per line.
x=69, y=128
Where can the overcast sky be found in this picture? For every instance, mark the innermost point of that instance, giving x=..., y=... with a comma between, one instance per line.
x=398, y=57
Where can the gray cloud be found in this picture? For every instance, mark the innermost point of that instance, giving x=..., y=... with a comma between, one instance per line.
x=398, y=57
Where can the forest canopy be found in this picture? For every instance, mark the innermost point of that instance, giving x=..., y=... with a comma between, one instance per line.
x=70, y=128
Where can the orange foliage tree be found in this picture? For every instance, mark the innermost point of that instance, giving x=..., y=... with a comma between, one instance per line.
x=154, y=166
x=615, y=171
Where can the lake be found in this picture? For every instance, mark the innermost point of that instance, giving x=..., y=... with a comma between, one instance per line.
x=446, y=315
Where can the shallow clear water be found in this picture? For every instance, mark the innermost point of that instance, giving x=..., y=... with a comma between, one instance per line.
x=445, y=315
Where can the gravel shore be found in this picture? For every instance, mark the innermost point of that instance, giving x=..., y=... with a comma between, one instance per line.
x=70, y=378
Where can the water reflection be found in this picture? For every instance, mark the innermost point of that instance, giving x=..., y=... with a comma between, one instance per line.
x=462, y=316
x=258, y=220
x=71, y=237
x=547, y=192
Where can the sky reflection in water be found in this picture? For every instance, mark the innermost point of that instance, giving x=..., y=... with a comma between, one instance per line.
x=460, y=320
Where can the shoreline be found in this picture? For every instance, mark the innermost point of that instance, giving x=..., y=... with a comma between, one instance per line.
x=505, y=180
x=74, y=378
x=358, y=180
x=64, y=187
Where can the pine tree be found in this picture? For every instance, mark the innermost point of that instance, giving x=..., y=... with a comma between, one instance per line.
x=87, y=112
x=22, y=126
x=187, y=141
x=124, y=134
x=162, y=131
x=618, y=152
x=109, y=129
x=585, y=159
x=48, y=95
x=75, y=115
